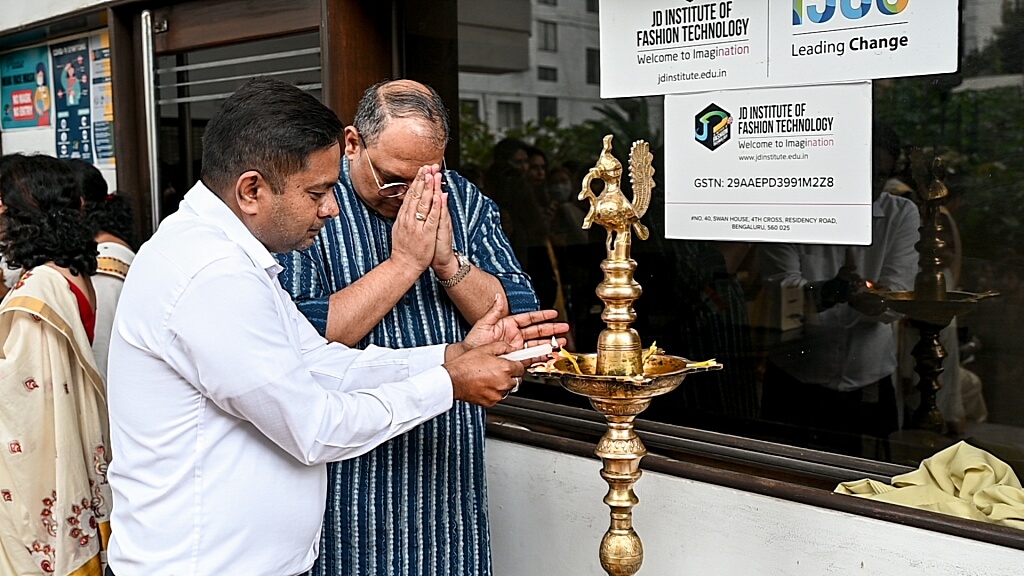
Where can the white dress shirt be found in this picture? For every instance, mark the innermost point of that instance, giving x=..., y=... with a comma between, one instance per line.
x=225, y=405
x=841, y=348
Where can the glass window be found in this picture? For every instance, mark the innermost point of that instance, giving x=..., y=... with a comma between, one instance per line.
x=724, y=300
x=510, y=115
x=547, y=36
x=548, y=2
x=469, y=108
x=192, y=85
x=547, y=107
x=593, y=66
x=547, y=73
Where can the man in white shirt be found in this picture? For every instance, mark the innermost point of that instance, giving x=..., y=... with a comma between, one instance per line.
x=834, y=384
x=225, y=404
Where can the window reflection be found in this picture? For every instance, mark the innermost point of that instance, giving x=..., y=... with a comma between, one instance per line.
x=749, y=305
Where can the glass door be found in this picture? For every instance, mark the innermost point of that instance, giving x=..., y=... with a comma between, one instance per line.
x=191, y=85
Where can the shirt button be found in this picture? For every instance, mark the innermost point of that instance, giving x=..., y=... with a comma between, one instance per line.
x=407, y=300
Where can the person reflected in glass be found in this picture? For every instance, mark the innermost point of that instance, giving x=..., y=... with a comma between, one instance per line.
x=537, y=174
x=523, y=218
x=834, y=384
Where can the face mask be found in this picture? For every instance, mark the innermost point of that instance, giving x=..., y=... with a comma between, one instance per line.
x=561, y=191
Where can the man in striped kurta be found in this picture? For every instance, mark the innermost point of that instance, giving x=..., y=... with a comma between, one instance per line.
x=390, y=272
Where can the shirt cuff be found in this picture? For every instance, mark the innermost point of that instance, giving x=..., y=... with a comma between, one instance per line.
x=423, y=358
x=435, y=385
x=520, y=296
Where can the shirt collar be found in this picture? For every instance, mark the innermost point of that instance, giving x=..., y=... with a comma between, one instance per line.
x=205, y=203
x=877, y=210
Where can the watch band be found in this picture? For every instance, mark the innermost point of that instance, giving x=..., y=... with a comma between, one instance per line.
x=464, y=267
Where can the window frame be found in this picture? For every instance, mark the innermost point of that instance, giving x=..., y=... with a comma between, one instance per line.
x=547, y=36
x=793, y=474
x=593, y=64
x=544, y=101
x=503, y=105
x=474, y=104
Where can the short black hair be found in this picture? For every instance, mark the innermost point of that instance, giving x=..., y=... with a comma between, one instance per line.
x=110, y=213
x=42, y=220
x=90, y=180
x=384, y=101
x=269, y=126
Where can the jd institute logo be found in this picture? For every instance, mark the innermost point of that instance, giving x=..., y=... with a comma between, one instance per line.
x=712, y=127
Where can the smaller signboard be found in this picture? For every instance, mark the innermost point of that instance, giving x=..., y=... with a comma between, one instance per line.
x=774, y=165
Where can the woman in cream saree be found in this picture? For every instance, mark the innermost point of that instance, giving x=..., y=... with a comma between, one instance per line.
x=54, y=501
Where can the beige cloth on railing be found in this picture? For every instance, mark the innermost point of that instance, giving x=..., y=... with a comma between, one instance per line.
x=961, y=480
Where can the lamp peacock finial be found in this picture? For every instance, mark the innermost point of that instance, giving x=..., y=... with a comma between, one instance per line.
x=610, y=208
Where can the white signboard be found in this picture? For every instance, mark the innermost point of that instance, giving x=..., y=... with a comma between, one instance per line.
x=773, y=165
x=678, y=46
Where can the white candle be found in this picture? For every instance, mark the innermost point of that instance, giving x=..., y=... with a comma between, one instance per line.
x=532, y=352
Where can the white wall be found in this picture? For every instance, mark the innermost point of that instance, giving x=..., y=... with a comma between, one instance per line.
x=41, y=141
x=17, y=13
x=547, y=518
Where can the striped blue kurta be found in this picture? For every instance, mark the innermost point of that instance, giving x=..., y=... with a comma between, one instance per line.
x=415, y=506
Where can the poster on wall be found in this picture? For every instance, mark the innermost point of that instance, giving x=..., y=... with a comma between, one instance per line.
x=770, y=165
x=651, y=47
x=102, y=100
x=25, y=89
x=72, y=103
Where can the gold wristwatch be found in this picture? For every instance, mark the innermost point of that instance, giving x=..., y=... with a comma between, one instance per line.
x=463, y=270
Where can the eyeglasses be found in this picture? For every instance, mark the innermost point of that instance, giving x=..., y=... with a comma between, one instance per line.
x=395, y=189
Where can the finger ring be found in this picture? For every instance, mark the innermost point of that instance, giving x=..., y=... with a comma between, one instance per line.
x=421, y=217
x=515, y=388
x=505, y=395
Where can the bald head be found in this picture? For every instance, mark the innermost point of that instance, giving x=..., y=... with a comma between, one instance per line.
x=385, y=101
x=405, y=85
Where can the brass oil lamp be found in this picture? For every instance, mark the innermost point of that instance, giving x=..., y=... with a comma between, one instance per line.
x=930, y=307
x=622, y=378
